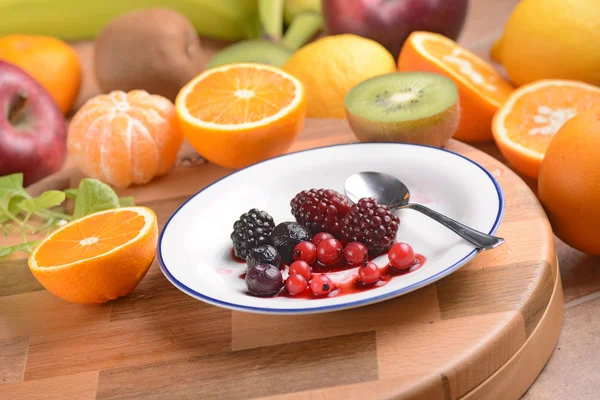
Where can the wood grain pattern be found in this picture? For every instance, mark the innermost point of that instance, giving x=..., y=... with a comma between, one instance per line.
x=515, y=376
x=255, y=330
x=440, y=342
x=250, y=373
x=20, y=279
x=483, y=333
x=469, y=293
x=454, y=350
x=41, y=313
x=13, y=354
x=199, y=330
x=79, y=386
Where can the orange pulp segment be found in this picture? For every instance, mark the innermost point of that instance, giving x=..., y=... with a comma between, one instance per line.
x=471, y=70
x=239, y=96
x=240, y=114
x=481, y=89
x=527, y=122
x=98, y=257
x=90, y=238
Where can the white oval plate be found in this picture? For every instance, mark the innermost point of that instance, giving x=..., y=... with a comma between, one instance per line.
x=195, y=250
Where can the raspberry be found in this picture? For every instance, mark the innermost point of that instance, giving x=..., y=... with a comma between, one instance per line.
x=320, y=210
x=372, y=224
x=251, y=230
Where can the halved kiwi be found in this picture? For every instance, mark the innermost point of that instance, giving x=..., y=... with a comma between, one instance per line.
x=257, y=51
x=412, y=107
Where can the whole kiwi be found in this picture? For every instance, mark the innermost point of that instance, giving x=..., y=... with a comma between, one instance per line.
x=154, y=49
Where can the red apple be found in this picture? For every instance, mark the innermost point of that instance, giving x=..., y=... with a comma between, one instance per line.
x=389, y=22
x=33, y=132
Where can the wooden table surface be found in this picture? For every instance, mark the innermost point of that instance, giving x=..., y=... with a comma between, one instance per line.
x=571, y=373
x=485, y=331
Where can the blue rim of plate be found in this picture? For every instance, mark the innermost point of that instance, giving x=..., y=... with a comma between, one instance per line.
x=338, y=307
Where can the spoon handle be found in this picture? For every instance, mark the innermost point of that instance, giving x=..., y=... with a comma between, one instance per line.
x=479, y=239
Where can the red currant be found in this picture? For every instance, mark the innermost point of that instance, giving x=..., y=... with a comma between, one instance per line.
x=319, y=237
x=300, y=268
x=329, y=251
x=305, y=251
x=321, y=284
x=356, y=253
x=401, y=256
x=296, y=284
x=369, y=273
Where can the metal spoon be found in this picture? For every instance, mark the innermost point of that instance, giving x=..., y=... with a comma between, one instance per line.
x=392, y=192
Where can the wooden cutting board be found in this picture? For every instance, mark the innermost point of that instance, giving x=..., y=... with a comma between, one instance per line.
x=484, y=332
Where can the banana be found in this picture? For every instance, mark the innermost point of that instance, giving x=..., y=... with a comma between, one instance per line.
x=304, y=26
x=304, y=19
x=270, y=13
x=84, y=19
x=291, y=8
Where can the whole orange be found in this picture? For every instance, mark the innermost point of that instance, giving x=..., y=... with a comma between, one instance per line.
x=569, y=182
x=52, y=62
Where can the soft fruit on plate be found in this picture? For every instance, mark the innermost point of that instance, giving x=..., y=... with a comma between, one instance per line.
x=329, y=235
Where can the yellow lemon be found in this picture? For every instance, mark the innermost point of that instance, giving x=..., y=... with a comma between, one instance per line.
x=551, y=39
x=331, y=66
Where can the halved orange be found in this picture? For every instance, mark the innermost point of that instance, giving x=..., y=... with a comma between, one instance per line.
x=239, y=114
x=99, y=257
x=524, y=126
x=482, y=90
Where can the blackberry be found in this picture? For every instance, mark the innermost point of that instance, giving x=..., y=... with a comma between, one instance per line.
x=372, y=224
x=251, y=230
x=320, y=210
x=286, y=236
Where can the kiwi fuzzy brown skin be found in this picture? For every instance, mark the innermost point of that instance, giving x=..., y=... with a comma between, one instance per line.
x=435, y=130
x=154, y=49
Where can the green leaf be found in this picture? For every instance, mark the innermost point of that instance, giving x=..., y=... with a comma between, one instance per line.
x=6, y=229
x=7, y=250
x=94, y=196
x=5, y=201
x=11, y=193
x=13, y=204
x=72, y=193
x=49, y=199
x=12, y=182
x=12, y=207
x=126, y=202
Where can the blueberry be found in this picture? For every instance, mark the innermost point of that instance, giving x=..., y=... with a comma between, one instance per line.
x=286, y=236
x=265, y=254
x=264, y=280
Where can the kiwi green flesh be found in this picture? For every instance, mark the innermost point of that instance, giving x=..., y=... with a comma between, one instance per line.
x=434, y=130
x=256, y=51
x=401, y=96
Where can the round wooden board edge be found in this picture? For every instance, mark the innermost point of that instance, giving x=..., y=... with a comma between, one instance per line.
x=517, y=375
